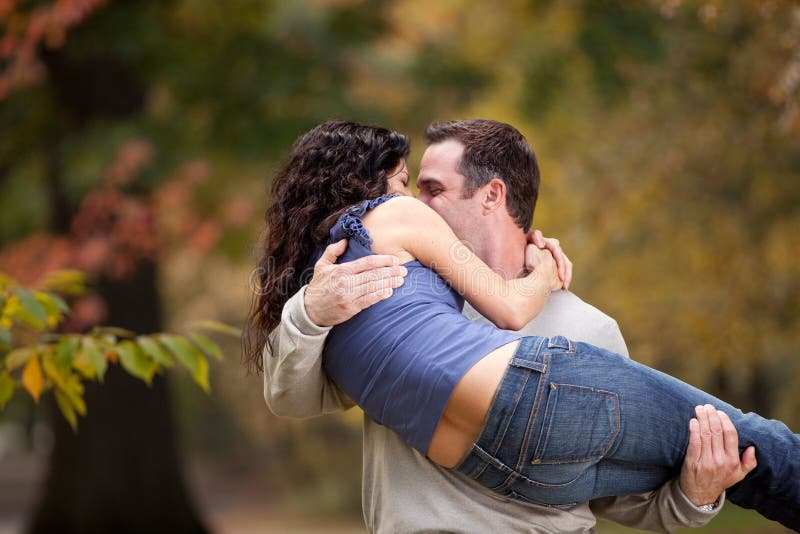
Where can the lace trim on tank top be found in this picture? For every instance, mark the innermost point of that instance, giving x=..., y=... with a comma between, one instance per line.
x=350, y=221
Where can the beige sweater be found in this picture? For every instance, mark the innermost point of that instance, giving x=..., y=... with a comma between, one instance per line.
x=403, y=492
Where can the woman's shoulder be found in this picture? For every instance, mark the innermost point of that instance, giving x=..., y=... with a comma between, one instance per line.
x=404, y=215
x=402, y=206
x=393, y=223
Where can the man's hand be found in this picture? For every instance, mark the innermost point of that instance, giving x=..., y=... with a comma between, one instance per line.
x=338, y=292
x=712, y=460
x=536, y=238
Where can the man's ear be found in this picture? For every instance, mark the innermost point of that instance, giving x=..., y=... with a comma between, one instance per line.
x=493, y=195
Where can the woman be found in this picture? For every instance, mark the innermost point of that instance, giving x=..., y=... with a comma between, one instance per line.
x=543, y=420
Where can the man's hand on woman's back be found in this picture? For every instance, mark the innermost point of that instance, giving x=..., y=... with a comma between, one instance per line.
x=339, y=291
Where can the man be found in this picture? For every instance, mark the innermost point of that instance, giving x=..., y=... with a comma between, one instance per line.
x=482, y=178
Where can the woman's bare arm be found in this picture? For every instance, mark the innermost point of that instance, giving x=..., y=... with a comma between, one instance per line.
x=404, y=225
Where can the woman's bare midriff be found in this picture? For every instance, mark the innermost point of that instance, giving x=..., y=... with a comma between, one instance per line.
x=465, y=412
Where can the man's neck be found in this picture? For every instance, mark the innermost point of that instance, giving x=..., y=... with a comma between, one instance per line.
x=504, y=251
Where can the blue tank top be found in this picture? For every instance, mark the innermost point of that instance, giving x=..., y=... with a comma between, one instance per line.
x=401, y=358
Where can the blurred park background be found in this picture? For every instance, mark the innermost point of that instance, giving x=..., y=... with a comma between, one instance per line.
x=137, y=142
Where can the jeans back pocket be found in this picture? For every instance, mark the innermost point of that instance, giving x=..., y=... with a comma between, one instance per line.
x=580, y=424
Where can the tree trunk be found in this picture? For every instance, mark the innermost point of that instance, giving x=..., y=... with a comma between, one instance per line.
x=120, y=472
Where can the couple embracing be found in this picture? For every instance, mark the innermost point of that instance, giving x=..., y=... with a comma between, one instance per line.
x=494, y=399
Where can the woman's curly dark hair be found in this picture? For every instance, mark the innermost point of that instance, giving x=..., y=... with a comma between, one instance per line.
x=333, y=166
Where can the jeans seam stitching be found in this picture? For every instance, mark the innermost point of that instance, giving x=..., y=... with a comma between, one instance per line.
x=501, y=435
x=499, y=438
x=537, y=402
x=546, y=424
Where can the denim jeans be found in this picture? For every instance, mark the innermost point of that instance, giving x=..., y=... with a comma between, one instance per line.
x=571, y=422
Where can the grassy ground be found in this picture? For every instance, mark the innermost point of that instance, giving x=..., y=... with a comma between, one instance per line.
x=239, y=503
x=731, y=520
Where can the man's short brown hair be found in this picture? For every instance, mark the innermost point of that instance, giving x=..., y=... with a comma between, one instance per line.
x=494, y=149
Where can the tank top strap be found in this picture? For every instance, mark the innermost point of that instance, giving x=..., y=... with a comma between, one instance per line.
x=350, y=226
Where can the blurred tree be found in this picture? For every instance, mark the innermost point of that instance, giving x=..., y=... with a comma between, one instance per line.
x=134, y=478
x=667, y=131
x=111, y=103
x=668, y=134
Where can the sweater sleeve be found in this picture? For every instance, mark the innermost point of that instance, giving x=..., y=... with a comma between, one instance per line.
x=664, y=510
x=295, y=383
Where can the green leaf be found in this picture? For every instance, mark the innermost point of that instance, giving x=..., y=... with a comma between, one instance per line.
x=206, y=345
x=52, y=313
x=189, y=356
x=19, y=357
x=66, y=351
x=215, y=326
x=113, y=330
x=31, y=310
x=134, y=360
x=54, y=307
x=82, y=364
x=155, y=350
x=5, y=336
x=6, y=389
x=66, y=408
x=62, y=306
x=96, y=356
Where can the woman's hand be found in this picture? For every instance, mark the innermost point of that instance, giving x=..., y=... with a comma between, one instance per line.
x=554, y=246
x=541, y=262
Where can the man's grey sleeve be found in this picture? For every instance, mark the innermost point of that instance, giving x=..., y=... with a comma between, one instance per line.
x=613, y=335
x=295, y=384
x=663, y=510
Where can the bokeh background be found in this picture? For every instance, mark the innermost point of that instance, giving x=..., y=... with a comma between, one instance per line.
x=138, y=140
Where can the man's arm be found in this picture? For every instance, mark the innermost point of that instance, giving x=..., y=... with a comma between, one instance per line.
x=664, y=510
x=295, y=384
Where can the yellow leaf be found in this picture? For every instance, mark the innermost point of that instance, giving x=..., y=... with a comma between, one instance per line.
x=96, y=355
x=82, y=364
x=66, y=382
x=19, y=357
x=65, y=282
x=6, y=281
x=206, y=345
x=32, y=378
x=66, y=409
x=50, y=303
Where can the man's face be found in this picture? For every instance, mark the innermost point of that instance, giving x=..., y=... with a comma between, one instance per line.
x=441, y=187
